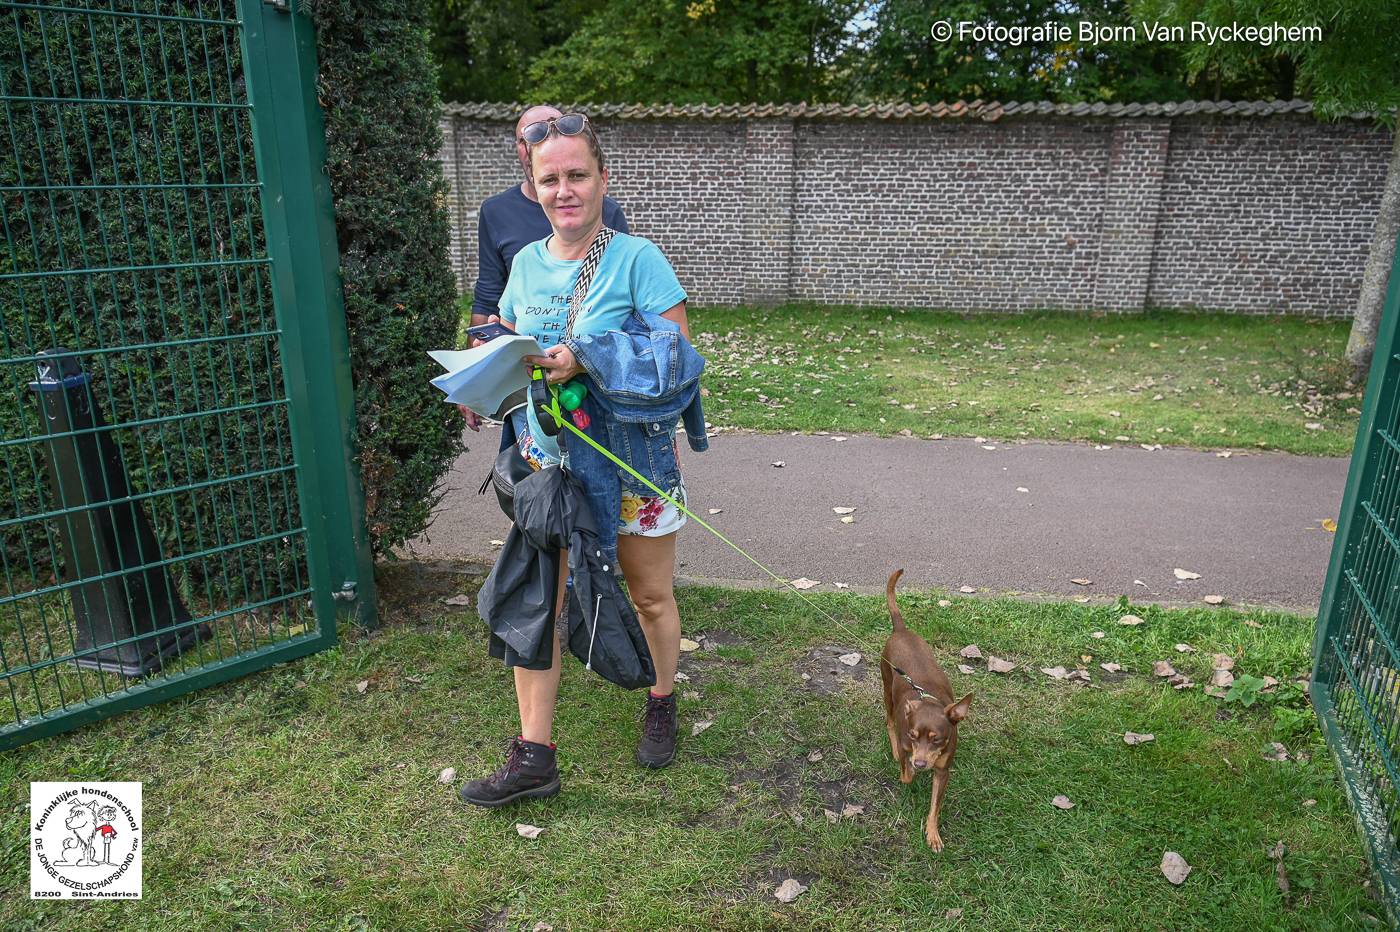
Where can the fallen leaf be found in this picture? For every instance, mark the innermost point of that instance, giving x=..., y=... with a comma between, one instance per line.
x=789, y=890
x=361, y=686
x=1252, y=623
x=964, y=668
x=1185, y=649
x=843, y=511
x=1309, y=803
x=971, y=652
x=528, y=831
x=1021, y=488
x=1180, y=681
x=849, y=660
x=1111, y=667
x=1055, y=673
x=1329, y=525
x=1223, y=454
x=944, y=603
x=1082, y=600
x=458, y=600
x=498, y=543
x=699, y=727
x=1313, y=425
x=814, y=755
x=1275, y=751
x=716, y=511
x=1269, y=683
x=682, y=677
x=779, y=464
x=1162, y=668
x=848, y=520
x=1062, y=802
x=690, y=694
x=1215, y=692
x=1276, y=854
x=1222, y=678
x=1139, y=582
x=1130, y=620
x=1185, y=574
x=966, y=589
x=1213, y=599
x=1082, y=582
x=842, y=585
x=1132, y=737
x=1222, y=662
x=1099, y=635
x=988, y=447
x=838, y=439
x=851, y=810
x=803, y=582
x=448, y=775
x=1175, y=868
x=1081, y=676
x=542, y=926
x=687, y=645
x=832, y=816
x=997, y=665
x=953, y=914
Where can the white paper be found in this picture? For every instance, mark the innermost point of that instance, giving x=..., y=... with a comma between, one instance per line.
x=490, y=379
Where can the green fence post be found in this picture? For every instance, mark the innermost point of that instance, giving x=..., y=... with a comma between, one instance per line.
x=290, y=143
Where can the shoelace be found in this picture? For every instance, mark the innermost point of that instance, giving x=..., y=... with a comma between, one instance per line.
x=513, y=760
x=656, y=718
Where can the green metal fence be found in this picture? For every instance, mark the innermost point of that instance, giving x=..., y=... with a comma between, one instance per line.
x=178, y=502
x=1356, y=656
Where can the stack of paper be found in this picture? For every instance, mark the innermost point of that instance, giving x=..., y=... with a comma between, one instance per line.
x=490, y=379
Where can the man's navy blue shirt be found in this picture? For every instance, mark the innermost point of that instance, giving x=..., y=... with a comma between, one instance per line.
x=507, y=223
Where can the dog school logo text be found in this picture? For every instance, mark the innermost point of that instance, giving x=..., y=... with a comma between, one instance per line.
x=85, y=841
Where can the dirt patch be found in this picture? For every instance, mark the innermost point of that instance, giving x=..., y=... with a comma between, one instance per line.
x=823, y=672
x=490, y=920
x=412, y=591
x=714, y=640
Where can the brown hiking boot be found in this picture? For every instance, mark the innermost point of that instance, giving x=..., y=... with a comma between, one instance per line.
x=657, y=747
x=529, y=771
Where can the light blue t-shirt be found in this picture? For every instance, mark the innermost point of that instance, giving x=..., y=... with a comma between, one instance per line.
x=633, y=275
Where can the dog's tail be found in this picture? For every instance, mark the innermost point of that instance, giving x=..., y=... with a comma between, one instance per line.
x=895, y=616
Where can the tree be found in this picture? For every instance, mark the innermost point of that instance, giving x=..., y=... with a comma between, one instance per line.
x=484, y=48
x=1354, y=68
x=709, y=51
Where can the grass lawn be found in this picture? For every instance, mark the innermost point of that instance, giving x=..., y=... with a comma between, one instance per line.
x=291, y=800
x=1199, y=380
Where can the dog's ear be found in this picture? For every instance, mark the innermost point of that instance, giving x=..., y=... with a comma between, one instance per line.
x=958, y=710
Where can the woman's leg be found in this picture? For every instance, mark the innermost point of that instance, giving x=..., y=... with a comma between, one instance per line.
x=536, y=690
x=649, y=565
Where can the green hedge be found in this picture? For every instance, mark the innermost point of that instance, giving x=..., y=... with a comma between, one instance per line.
x=378, y=86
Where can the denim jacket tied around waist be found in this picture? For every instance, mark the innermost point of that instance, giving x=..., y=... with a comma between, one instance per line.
x=641, y=381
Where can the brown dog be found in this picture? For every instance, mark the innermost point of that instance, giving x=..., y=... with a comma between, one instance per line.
x=923, y=726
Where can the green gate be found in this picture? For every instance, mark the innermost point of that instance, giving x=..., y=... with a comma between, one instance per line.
x=1356, y=653
x=176, y=412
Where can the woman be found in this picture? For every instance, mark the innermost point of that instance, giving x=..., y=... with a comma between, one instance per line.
x=571, y=179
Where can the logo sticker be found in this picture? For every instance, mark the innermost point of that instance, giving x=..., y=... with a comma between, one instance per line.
x=85, y=841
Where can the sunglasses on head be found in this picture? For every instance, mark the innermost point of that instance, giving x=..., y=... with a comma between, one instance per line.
x=570, y=124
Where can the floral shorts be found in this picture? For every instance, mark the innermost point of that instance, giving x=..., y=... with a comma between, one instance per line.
x=640, y=515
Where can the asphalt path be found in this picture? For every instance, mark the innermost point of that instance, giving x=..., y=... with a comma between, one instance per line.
x=1024, y=518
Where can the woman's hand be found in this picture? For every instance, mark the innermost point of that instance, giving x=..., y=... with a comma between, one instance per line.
x=558, y=362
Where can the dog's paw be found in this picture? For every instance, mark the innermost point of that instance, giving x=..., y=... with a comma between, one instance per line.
x=935, y=842
x=906, y=774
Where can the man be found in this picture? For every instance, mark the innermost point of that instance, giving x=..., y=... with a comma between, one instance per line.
x=506, y=223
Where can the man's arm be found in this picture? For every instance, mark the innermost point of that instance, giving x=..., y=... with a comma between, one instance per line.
x=490, y=273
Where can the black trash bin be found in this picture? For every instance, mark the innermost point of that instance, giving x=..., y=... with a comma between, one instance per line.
x=123, y=590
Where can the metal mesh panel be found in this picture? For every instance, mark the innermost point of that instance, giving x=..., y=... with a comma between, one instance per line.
x=150, y=525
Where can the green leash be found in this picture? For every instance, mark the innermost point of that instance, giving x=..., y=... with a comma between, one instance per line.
x=555, y=411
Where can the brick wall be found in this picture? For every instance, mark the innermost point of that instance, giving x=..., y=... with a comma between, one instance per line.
x=1248, y=212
